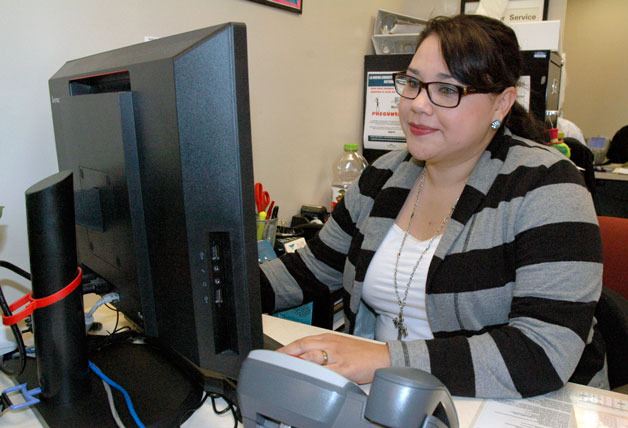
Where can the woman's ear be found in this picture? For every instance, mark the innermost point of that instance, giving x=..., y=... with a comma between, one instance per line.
x=505, y=100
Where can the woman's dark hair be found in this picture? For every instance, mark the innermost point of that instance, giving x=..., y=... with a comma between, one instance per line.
x=483, y=52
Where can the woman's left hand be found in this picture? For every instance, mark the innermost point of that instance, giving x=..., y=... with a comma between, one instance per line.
x=353, y=358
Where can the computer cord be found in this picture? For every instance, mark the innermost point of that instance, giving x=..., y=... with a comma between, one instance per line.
x=17, y=334
x=95, y=284
x=112, y=405
x=127, y=397
x=115, y=327
x=104, y=300
x=21, y=272
x=230, y=407
x=213, y=396
x=187, y=414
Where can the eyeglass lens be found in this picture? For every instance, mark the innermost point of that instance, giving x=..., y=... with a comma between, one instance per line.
x=439, y=93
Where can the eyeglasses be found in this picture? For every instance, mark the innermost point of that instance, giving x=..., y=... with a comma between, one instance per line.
x=440, y=93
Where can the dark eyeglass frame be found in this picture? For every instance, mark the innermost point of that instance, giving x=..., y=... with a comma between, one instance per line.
x=462, y=90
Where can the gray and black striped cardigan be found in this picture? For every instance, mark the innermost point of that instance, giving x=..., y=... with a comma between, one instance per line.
x=513, y=285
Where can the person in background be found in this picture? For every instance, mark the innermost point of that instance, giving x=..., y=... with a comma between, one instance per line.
x=473, y=254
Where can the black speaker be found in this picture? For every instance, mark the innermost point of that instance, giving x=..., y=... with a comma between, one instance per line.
x=59, y=328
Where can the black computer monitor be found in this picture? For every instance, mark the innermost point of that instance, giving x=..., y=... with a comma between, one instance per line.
x=158, y=137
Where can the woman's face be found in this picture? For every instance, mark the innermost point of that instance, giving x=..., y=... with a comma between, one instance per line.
x=445, y=135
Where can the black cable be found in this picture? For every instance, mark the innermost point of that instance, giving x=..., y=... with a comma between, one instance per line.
x=214, y=397
x=21, y=351
x=28, y=321
x=95, y=285
x=236, y=414
x=100, y=342
x=5, y=403
x=20, y=345
x=14, y=328
x=230, y=407
x=235, y=410
x=115, y=327
x=15, y=269
x=189, y=413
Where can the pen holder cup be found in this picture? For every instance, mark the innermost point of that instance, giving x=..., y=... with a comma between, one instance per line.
x=267, y=230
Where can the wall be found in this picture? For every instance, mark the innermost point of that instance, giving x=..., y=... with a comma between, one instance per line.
x=596, y=37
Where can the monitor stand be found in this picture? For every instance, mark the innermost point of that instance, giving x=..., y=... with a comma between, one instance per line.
x=163, y=395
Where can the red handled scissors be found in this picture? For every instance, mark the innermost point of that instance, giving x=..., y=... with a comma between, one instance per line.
x=262, y=198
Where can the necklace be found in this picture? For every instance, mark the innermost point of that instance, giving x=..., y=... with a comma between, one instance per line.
x=399, y=322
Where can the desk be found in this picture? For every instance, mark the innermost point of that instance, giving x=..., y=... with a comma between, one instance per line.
x=610, y=176
x=611, y=192
x=588, y=407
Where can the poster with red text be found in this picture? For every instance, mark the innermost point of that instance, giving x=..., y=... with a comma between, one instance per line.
x=382, y=130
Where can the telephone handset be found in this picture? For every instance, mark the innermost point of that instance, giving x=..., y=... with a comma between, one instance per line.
x=276, y=389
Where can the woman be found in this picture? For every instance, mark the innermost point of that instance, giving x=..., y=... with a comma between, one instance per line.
x=475, y=254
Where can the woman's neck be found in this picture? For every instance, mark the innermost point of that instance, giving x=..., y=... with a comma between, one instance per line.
x=454, y=171
x=441, y=176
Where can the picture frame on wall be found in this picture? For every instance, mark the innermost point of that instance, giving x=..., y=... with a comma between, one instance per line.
x=517, y=11
x=295, y=6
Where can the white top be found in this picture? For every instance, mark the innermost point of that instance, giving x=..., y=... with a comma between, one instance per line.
x=379, y=290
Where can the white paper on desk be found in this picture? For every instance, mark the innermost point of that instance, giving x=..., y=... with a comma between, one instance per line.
x=524, y=414
x=622, y=170
x=569, y=407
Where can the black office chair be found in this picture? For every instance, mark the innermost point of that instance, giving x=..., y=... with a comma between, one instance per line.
x=612, y=316
x=582, y=156
x=618, y=147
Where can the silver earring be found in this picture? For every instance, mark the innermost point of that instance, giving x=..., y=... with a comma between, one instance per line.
x=496, y=124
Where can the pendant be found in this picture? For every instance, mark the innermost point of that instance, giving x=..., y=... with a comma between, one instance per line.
x=402, y=331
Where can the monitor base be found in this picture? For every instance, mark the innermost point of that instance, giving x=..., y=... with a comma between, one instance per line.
x=163, y=395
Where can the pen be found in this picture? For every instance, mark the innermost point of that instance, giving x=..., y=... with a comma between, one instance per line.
x=261, y=217
x=275, y=212
x=269, y=211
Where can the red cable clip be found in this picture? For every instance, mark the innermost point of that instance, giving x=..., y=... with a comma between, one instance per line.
x=30, y=304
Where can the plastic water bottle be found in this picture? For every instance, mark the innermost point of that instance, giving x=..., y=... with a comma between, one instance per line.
x=346, y=169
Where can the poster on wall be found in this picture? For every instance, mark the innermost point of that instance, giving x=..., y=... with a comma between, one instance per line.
x=516, y=10
x=382, y=129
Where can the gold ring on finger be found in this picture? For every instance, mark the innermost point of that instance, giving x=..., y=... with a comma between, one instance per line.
x=325, y=358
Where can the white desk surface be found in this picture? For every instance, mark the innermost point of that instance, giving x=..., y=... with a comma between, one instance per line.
x=589, y=407
x=608, y=173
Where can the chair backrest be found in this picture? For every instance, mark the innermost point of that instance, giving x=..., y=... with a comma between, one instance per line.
x=618, y=148
x=614, y=232
x=612, y=316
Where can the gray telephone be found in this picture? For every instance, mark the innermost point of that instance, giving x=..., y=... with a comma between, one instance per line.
x=277, y=390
